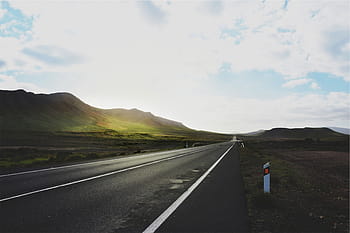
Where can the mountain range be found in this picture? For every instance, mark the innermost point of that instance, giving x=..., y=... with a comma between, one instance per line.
x=25, y=111
x=297, y=133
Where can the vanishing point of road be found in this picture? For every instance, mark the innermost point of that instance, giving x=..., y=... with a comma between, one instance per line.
x=188, y=190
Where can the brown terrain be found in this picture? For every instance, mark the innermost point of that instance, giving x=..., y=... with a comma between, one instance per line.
x=309, y=184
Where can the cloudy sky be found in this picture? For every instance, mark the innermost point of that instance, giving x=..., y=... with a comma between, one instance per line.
x=225, y=66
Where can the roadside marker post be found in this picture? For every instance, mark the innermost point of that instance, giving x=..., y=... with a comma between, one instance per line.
x=266, y=168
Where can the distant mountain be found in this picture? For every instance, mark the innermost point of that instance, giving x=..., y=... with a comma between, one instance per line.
x=295, y=133
x=340, y=130
x=255, y=133
x=21, y=110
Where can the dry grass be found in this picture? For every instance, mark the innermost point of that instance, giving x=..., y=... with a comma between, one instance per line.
x=309, y=186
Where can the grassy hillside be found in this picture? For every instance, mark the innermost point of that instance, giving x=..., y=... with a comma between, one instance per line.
x=54, y=128
x=25, y=111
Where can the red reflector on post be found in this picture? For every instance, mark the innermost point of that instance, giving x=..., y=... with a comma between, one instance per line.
x=266, y=171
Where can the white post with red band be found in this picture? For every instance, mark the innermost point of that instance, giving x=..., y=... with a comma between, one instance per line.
x=266, y=168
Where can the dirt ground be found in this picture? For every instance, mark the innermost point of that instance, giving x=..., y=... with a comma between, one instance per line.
x=309, y=187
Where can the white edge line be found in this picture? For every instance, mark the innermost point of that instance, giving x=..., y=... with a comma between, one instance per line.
x=159, y=221
x=82, y=164
x=96, y=177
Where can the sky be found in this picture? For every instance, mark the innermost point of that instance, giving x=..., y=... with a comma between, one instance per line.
x=223, y=66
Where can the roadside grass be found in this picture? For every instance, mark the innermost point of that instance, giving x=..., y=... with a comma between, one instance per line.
x=308, y=193
x=35, y=149
x=29, y=157
x=42, y=157
x=23, y=163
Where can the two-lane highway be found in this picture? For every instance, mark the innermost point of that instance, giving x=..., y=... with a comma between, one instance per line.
x=114, y=195
x=22, y=183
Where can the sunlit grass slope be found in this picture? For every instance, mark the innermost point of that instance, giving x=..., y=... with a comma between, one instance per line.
x=25, y=111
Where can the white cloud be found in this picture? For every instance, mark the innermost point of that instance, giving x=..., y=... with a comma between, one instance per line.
x=190, y=38
x=2, y=12
x=52, y=55
x=297, y=82
x=315, y=86
x=129, y=59
x=151, y=12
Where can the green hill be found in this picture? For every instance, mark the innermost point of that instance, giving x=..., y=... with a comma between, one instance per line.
x=41, y=129
x=25, y=111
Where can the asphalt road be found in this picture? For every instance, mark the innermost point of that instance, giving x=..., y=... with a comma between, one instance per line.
x=217, y=205
x=115, y=195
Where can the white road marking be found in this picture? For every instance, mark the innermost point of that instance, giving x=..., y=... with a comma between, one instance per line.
x=159, y=221
x=83, y=164
x=96, y=177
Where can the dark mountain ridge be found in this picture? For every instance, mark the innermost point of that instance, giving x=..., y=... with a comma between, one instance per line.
x=22, y=110
x=299, y=133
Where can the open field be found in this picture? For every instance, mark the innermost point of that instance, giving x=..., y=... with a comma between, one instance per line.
x=309, y=184
x=31, y=148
